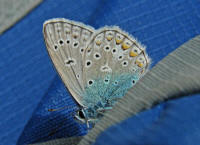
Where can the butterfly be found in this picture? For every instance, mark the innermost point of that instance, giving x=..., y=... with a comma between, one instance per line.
x=96, y=66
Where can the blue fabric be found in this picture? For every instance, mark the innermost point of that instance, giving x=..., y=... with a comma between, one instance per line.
x=25, y=68
x=174, y=122
x=29, y=85
x=45, y=125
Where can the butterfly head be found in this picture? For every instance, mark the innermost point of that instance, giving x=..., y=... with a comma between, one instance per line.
x=90, y=115
x=81, y=116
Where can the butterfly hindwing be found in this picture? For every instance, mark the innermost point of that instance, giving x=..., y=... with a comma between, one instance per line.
x=113, y=62
x=66, y=42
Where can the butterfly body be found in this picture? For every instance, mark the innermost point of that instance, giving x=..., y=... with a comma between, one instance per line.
x=97, y=66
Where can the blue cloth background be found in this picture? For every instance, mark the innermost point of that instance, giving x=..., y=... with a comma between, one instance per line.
x=171, y=123
x=29, y=85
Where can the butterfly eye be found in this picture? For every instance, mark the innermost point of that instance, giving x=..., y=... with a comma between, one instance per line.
x=133, y=81
x=81, y=114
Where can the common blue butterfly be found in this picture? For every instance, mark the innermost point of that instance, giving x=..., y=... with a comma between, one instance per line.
x=96, y=66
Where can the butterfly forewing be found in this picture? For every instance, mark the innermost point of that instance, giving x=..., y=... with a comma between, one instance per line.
x=66, y=42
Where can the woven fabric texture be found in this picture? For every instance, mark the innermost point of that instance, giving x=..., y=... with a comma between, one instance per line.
x=63, y=141
x=174, y=122
x=29, y=85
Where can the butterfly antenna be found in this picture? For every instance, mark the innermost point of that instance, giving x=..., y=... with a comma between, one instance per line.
x=62, y=108
x=54, y=131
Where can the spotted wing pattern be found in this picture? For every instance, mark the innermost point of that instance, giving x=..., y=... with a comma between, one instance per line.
x=97, y=66
x=113, y=62
x=66, y=42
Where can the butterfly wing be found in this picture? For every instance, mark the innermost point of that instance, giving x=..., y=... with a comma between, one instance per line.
x=113, y=62
x=66, y=42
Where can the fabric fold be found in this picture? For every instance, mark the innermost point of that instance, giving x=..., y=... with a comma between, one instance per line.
x=12, y=11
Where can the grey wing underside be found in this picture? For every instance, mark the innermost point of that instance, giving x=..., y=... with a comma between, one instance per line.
x=113, y=62
x=66, y=42
x=113, y=52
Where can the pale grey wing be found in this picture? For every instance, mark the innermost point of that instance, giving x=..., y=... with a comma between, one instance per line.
x=66, y=42
x=112, y=55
